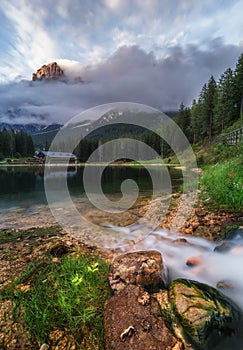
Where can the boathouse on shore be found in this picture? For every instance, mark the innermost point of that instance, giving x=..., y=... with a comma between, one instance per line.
x=56, y=157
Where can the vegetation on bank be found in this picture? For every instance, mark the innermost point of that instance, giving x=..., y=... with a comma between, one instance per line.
x=223, y=184
x=219, y=105
x=65, y=295
x=15, y=144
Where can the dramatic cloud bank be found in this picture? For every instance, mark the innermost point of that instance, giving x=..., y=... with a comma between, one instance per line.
x=130, y=74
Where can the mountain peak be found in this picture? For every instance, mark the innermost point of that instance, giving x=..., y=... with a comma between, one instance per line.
x=50, y=71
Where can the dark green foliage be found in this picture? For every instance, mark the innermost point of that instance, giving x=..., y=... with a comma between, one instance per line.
x=183, y=119
x=110, y=132
x=1, y=157
x=218, y=106
x=12, y=143
x=225, y=110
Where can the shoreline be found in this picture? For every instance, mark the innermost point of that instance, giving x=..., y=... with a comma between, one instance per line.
x=43, y=165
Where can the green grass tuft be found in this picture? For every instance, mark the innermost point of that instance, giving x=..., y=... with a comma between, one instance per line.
x=68, y=296
x=223, y=183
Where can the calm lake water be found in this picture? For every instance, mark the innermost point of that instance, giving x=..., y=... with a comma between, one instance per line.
x=22, y=195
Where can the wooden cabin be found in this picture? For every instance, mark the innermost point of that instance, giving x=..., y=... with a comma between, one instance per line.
x=55, y=157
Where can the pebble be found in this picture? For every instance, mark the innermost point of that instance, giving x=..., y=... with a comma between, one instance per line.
x=194, y=260
x=44, y=347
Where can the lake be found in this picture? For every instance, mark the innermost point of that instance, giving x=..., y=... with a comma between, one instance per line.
x=22, y=194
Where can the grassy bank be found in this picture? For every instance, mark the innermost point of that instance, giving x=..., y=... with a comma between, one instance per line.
x=222, y=184
x=59, y=300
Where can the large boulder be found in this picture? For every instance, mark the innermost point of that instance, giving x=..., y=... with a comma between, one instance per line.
x=132, y=322
x=143, y=268
x=202, y=315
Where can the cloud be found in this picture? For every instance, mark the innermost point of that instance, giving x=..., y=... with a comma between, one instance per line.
x=30, y=39
x=129, y=74
x=36, y=32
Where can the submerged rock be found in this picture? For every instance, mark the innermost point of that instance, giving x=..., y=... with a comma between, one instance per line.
x=144, y=268
x=224, y=247
x=132, y=322
x=194, y=261
x=226, y=284
x=202, y=315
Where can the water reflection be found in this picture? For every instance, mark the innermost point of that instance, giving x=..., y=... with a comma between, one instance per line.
x=22, y=193
x=15, y=180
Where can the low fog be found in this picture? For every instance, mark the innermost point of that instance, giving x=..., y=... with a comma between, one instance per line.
x=130, y=74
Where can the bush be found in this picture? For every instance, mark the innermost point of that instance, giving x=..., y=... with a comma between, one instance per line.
x=17, y=155
x=223, y=183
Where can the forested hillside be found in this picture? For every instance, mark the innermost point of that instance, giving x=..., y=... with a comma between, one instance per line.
x=218, y=106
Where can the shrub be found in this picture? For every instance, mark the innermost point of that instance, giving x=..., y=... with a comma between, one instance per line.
x=17, y=155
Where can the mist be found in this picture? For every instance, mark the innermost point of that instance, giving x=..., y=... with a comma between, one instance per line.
x=130, y=74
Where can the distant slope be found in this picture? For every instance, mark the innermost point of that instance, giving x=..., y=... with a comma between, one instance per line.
x=44, y=137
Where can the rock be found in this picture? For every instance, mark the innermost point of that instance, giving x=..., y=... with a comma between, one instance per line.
x=143, y=268
x=203, y=315
x=224, y=247
x=180, y=241
x=237, y=250
x=195, y=225
x=59, y=249
x=201, y=213
x=50, y=71
x=194, y=260
x=188, y=231
x=44, y=347
x=226, y=284
x=134, y=325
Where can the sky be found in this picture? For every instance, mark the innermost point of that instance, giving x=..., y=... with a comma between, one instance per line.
x=155, y=52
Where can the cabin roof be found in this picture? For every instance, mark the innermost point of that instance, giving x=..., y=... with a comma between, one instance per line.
x=57, y=154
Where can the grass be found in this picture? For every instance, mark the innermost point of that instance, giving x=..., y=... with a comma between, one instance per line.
x=223, y=184
x=10, y=235
x=66, y=296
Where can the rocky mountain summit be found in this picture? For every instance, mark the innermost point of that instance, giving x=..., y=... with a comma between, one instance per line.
x=51, y=71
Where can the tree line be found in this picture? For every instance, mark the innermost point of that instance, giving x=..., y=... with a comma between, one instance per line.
x=218, y=106
x=15, y=144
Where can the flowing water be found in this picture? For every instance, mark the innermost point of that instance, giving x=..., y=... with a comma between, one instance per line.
x=200, y=260
x=23, y=204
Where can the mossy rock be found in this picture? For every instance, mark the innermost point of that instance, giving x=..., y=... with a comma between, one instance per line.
x=203, y=314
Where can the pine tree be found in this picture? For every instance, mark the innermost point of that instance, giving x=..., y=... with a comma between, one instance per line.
x=225, y=107
x=195, y=121
x=210, y=103
x=12, y=143
x=238, y=79
x=5, y=143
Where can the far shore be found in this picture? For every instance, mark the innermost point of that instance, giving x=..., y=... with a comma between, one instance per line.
x=34, y=165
